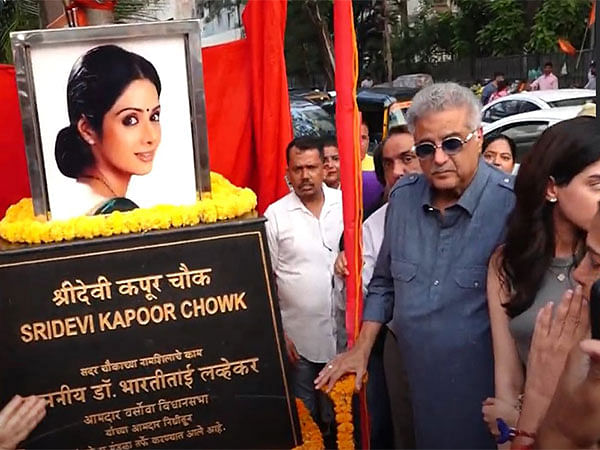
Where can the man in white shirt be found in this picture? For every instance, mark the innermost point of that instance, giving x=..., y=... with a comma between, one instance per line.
x=303, y=232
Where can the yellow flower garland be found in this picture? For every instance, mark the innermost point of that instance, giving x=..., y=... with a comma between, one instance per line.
x=341, y=395
x=226, y=202
x=312, y=439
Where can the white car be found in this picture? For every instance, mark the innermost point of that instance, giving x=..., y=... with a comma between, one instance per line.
x=525, y=128
x=535, y=100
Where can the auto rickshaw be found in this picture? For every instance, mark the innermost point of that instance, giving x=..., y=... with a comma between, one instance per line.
x=383, y=108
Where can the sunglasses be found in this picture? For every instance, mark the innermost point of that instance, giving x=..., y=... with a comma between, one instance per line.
x=450, y=146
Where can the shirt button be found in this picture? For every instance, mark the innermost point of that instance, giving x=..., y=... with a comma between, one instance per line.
x=476, y=284
x=506, y=180
x=436, y=282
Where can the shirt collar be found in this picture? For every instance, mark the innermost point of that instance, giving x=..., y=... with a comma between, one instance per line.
x=470, y=198
x=329, y=199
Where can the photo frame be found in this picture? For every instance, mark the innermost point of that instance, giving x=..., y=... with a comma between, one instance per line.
x=173, y=171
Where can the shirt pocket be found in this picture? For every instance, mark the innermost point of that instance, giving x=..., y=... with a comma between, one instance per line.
x=473, y=277
x=403, y=270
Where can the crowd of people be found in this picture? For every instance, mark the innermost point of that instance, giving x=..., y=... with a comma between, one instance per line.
x=479, y=280
x=499, y=86
x=476, y=326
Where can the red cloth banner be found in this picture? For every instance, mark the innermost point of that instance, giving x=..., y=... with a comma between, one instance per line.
x=228, y=110
x=592, y=17
x=264, y=21
x=347, y=121
x=347, y=125
x=14, y=181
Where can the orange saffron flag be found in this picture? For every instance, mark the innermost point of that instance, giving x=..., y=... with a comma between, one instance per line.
x=566, y=47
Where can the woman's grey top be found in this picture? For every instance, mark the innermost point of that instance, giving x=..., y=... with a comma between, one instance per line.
x=556, y=281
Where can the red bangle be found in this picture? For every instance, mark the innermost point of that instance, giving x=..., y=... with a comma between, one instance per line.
x=523, y=433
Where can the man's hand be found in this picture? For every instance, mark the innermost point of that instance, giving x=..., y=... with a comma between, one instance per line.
x=352, y=361
x=18, y=418
x=573, y=417
x=340, y=267
x=292, y=353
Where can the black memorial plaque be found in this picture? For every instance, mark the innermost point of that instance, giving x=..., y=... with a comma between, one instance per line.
x=168, y=339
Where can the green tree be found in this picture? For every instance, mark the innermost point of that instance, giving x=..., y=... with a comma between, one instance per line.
x=558, y=19
x=471, y=17
x=16, y=15
x=303, y=53
x=425, y=41
x=504, y=34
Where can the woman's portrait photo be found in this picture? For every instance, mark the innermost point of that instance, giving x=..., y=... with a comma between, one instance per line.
x=114, y=125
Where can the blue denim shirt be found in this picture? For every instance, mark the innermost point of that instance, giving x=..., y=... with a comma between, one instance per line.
x=429, y=283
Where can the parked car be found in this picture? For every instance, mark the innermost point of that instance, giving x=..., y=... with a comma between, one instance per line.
x=525, y=128
x=535, y=100
x=312, y=95
x=309, y=119
x=411, y=80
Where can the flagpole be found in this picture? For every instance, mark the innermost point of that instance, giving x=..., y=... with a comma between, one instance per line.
x=581, y=49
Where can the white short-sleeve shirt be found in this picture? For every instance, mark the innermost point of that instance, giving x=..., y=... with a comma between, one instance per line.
x=303, y=250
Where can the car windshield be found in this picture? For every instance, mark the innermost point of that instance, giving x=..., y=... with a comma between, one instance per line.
x=311, y=121
x=580, y=101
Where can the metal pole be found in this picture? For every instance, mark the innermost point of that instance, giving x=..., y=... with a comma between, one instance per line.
x=581, y=49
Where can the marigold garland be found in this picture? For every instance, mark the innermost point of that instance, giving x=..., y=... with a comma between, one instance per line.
x=226, y=202
x=341, y=395
x=311, y=435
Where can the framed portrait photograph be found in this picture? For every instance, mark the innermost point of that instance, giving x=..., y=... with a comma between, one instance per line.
x=113, y=116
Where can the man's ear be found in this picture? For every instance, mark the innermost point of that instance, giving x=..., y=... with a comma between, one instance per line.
x=480, y=138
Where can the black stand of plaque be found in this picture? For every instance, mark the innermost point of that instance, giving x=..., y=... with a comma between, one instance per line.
x=166, y=339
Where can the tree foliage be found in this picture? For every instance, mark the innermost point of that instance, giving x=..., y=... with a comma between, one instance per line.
x=16, y=15
x=504, y=34
x=303, y=53
x=558, y=19
x=471, y=16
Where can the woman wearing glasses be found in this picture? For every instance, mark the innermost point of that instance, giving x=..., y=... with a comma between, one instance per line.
x=114, y=130
x=557, y=193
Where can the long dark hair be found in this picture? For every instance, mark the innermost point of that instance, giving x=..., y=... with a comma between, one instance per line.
x=562, y=151
x=97, y=80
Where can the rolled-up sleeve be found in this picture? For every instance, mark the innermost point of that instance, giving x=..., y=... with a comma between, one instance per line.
x=379, y=303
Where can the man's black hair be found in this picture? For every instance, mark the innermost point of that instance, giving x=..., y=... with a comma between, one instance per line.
x=305, y=143
x=378, y=153
x=330, y=141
